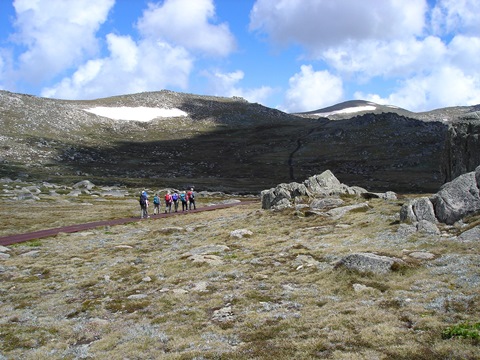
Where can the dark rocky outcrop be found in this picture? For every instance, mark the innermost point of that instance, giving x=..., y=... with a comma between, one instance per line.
x=231, y=145
x=462, y=146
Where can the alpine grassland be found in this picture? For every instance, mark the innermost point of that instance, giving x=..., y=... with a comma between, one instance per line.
x=194, y=287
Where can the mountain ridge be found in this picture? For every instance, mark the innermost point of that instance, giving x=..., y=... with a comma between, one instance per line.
x=230, y=144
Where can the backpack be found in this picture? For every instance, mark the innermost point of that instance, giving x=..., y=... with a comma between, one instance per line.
x=143, y=201
x=182, y=197
x=192, y=196
x=168, y=198
x=156, y=200
x=175, y=197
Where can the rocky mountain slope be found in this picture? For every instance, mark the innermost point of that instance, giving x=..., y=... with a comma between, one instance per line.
x=229, y=144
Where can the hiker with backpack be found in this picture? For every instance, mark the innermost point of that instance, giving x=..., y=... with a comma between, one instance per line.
x=183, y=199
x=175, y=200
x=156, y=205
x=143, y=205
x=191, y=199
x=168, y=202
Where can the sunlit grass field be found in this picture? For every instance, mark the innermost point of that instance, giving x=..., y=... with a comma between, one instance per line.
x=184, y=288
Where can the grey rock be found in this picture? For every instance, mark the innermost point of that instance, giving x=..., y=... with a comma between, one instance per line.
x=427, y=227
x=339, y=212
x=418, y=209
x=207, y=249
x=470, y=235
x=317, y=186
x=137, y=296
x=458, y=198
x=75, y=193
x=326, y=203
x=224, y=314
x=241, y=233
x=422, y=255
x=369, y=263
x=85, y=184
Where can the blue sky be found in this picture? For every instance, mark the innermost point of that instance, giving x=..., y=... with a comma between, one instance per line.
x=287, y=54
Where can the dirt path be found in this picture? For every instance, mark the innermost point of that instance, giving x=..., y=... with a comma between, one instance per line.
x=19, y=238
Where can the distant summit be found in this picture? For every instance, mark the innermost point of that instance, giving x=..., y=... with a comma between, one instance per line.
x=350, y=108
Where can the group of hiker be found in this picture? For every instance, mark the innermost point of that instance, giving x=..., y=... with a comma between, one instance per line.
x=187, y=198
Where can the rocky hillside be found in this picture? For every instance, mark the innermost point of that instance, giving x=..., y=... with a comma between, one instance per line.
x=231, y=145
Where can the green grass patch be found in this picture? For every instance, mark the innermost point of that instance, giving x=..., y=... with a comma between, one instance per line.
x=463, y=331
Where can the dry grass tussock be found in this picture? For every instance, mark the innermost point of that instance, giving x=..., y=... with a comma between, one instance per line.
x=184, y=288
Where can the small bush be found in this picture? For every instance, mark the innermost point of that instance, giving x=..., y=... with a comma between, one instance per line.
x=463, y=331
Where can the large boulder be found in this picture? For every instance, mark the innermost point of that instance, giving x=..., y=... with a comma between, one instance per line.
x=458, y=198
x=317, y=186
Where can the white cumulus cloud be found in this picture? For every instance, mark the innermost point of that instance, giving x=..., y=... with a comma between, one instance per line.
x=56, y=34
x=311, y=90
x=317, y=25
x=226, y=84
x=189, y=24
x=446, y=86
x=130, y=67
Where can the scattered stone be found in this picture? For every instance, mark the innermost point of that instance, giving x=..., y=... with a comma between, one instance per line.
x=339, y=212
x=302, y=261
x=26, y=195
x=201, y=286
x=75, y=193
x=170, y=230
x=368, y=262
x=205, y=258
x=207, y=249
x=179, y=291
x=86, y=233
x=113, y=193
x=224, y=314
x=389, y=195
x=360, y=288
x=241, y=233
x=470, y=235
x=4, y=249
x=33, y=253
x=147, y=279
x=422, y=255
x=123, y=247
x=137, y=296
x=327, y=203
x=85, y=184
x=4, y=256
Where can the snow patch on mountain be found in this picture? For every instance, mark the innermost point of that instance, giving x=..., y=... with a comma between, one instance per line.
x=140, y=113
x=349, y=110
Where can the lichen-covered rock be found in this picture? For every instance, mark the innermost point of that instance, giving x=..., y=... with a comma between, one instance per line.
x=418, y=209
x=241, y=233
x=326, y=203
x=370, y=263
x=317, y=186
x=458, y=198
x=470, y=235
x=85, y=184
